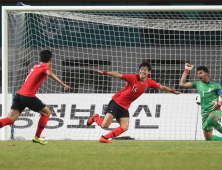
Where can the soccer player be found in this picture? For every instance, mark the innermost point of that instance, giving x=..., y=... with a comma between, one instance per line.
x=25, y=97
x=118, y=106
x=210, y=106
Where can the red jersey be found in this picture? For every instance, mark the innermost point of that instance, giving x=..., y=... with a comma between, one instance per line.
x=133, y=89
x=34, y=79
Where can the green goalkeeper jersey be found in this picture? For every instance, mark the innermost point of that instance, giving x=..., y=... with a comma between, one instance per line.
x=208, y=93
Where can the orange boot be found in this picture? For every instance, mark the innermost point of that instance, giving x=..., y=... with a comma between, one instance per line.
x=90, y=120
x=103, y=140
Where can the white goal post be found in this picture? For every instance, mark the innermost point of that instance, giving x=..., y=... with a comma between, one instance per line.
x=123, y=18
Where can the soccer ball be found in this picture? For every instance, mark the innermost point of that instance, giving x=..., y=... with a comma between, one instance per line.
x=198, y=100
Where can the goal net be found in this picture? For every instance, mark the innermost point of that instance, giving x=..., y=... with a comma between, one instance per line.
x=114, y=41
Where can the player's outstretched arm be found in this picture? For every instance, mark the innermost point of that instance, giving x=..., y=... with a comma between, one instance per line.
x=165, y=88
x=54, y=77
x=183, y=82
x=109, y=73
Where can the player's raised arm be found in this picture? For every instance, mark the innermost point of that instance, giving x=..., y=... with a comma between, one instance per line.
x=54, y=77
x=109, y=73
x=165, y=88
x=183, y=82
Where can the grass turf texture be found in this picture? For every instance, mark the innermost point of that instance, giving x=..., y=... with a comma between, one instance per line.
x=120, y=155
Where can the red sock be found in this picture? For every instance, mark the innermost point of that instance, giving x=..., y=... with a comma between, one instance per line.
x=41, y=125
x=5, y=121
x=98, y=120
x=115, y=132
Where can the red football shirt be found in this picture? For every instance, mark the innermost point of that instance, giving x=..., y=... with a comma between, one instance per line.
x=133, y=89
x=34, y=79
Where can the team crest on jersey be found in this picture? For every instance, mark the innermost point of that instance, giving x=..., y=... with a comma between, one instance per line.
x=209, y=90
x=134, y=88
x=145, y=89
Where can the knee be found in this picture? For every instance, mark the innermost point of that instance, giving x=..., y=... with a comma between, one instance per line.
x=49, y=113
x=210, y=120
x=103, y=125
x=125, y=128
x=46, y=111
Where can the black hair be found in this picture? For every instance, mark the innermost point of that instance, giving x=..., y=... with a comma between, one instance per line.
x=145, y=64
x=203, y=68
x=45, y=56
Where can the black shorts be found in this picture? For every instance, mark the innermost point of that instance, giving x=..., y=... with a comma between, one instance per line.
x=116, y=110
x=20, y=102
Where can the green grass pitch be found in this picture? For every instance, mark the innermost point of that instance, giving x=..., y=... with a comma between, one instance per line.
x=119, y=155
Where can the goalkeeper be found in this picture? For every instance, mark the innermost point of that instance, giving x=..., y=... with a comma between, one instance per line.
x=210, y=106
x=118, y=106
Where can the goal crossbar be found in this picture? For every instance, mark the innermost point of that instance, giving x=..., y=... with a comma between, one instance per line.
x=114, y=8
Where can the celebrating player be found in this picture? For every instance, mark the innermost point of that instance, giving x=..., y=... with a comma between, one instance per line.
x=210, y=106
x=25, y=97
x=118, y=106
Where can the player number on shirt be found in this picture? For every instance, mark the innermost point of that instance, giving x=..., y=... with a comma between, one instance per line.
x=29, y=74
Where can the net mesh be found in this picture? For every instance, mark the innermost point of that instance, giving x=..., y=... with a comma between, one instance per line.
x=114, y=41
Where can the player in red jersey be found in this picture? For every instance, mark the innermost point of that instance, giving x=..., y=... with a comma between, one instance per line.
x=120, y=103
x=25, y=97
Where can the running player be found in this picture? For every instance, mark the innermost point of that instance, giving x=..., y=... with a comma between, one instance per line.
x=118, y=106
x=25, y=97
x=210, y=106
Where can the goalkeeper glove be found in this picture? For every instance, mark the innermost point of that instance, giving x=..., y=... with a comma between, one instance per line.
x=188, y=67
x=217, y=105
